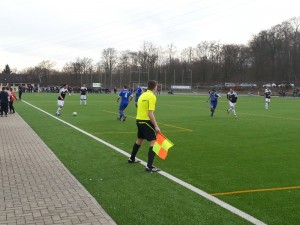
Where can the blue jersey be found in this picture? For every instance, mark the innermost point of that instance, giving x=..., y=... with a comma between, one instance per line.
x=124, y=94
x=138, y=91
x=214, y=97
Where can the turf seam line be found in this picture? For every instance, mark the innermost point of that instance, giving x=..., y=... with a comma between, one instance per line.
x=205, y=195
x=168, y=125
x=256, y=190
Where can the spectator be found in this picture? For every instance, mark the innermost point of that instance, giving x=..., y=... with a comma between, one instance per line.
x=4, y=102
x=11, y=101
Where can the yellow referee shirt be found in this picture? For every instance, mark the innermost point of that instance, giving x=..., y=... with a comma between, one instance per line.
x=146, y=102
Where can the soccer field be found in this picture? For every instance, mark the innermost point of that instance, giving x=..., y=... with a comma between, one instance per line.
x=250, y=162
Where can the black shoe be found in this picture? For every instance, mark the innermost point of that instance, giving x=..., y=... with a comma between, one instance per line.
x=133, y=161
x=152, y=169
x=118, y=119
x=124, y=118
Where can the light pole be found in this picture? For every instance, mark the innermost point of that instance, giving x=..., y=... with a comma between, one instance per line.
x=165, y=80
x=174, y=76
x=139, y=75
x=191, y=79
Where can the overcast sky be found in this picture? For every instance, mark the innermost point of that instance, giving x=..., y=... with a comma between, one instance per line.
x=62, y=30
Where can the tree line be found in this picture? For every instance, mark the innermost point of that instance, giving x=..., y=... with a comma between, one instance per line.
x=272, y=55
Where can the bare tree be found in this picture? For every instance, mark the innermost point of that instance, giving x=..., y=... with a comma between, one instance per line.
x=109, y=59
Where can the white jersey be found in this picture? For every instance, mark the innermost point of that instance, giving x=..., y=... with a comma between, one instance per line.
x=268, y=93
x=83, y=90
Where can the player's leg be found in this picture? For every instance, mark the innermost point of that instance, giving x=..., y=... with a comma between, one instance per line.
x=232, y=106
x=84, y=99
x=60, y=105
x=267, y=102
x=124, y=107
x=121, y=113
x=233, y=110
x=213, y=107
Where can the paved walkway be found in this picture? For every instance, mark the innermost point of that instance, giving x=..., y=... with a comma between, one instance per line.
x=35, y=187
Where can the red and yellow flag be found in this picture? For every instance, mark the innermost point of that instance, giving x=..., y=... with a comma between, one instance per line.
x=162, y=145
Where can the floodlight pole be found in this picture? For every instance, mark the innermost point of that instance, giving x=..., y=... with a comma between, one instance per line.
x=174, y=76
x=165, y=80
x=139, y=75
x=191, y=78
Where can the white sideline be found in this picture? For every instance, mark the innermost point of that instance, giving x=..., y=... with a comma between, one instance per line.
x=167, y=175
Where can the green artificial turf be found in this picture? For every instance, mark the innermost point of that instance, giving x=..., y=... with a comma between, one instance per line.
x=256, y=150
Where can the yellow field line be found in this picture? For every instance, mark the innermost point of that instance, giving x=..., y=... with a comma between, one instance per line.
x=184, y=129
x=276, y=117
x=257, y=190
x=168, y=125
x=133, y=132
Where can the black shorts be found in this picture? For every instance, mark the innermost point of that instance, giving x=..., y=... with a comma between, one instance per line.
x=146, y=130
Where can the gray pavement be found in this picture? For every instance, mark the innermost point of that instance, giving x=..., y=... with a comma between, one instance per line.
x=35, y=187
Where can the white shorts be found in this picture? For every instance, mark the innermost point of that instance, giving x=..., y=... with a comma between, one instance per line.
x=268, y=100
x=82, y=97
x=60, y=103
x=231, y=104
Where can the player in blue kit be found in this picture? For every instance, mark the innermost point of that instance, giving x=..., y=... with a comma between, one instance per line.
x=125, y=97
x=138, y=91
x=213, y=97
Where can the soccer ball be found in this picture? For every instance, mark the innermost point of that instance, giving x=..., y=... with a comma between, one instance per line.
x=74, y=113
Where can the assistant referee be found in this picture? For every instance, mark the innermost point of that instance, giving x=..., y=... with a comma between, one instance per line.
x=146, y=124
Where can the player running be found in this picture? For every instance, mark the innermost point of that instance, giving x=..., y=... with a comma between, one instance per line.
x=126, y=97
x=213, y=97
x=232, y=97
x=138, y=91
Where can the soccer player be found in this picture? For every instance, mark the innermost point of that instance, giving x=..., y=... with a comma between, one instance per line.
x=268, y=93
x=147, y=125
x=232, y=97
x=126, y=97
x=138, y=91
x=83, y=92
x=61, y=98
x=213, y=97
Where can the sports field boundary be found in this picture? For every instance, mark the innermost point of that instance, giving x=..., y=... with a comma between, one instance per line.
x=205, y=195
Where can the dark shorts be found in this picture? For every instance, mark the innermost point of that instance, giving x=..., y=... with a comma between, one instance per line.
x=213, y=104
x=145, y=130
x=123, y=106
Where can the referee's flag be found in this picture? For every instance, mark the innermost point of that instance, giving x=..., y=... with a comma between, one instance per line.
x=162, y=145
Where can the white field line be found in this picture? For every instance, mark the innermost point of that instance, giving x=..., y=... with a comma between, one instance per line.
x=167, y=175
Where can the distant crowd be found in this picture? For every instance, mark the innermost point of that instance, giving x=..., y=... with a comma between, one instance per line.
x=7, y=98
